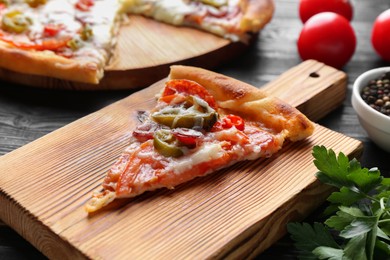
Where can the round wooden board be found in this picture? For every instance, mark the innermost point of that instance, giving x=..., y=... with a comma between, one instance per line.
x=143, y=54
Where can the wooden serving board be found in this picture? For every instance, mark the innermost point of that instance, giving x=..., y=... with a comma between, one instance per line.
x=235, y=213
x=143, y=54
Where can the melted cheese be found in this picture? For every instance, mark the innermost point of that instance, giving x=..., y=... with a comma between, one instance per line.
x=169, y=11
x=206, y=153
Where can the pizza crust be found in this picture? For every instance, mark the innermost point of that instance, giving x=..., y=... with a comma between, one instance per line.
x=251, y=103
x=47, y=63
x=256, y=14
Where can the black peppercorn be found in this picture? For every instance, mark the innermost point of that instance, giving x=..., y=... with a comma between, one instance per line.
x=377, y=93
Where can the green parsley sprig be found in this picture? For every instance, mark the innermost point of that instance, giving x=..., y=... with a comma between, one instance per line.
x=358, y=224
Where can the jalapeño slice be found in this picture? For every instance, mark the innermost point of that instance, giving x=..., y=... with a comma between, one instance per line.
x=165, y=143
x=193, y=113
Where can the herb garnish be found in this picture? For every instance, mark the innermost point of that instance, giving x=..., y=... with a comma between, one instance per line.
x=358, y=226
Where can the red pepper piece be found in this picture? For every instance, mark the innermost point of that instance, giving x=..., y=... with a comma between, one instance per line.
x=228, y=122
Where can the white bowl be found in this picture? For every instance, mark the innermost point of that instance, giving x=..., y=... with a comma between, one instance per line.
x=376, y=124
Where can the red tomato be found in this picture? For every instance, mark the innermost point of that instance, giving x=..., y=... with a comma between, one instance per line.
x=84, y=5
x=228, y=122
x=51, y=30
x=46, y=44
x=380, y=36
x=53, y=44
x=308, y=8
x=329, y=38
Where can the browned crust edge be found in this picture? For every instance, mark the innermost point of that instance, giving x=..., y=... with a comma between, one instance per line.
x=249, y=102
x=47, y=63
x=256, y=14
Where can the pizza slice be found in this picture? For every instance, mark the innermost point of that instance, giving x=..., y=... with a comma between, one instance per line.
x=232, y=19
x=67, y=39
x=202, y=122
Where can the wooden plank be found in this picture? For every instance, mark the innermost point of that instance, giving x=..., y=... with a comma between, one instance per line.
x=144, y=52
x=312, y=87
x=237, y=212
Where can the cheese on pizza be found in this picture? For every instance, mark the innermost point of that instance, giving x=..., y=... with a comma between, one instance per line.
x=202, y=122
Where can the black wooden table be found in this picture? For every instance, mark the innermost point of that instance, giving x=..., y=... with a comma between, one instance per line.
x=29, y=113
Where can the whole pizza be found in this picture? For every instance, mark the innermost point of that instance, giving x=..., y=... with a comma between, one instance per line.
x=74, y=39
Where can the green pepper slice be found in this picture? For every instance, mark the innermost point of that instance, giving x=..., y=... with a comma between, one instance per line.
x=165, y=143
x=216, y=3
x=201, y=120
x=193, y=113
x=15, y=21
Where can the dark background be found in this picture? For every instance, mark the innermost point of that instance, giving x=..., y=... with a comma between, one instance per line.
x=28, y=113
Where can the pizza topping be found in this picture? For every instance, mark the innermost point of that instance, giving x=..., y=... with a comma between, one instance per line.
x=86, y=33
x=84, y=5
x=216, y=3
x=228, y=122
x=15, y=22
x=192, y=113
x=75, y=43
x=3, y=4
x=146, y=130
x=166, y=144
x=51, y=30
x=187, y=87
x=190, y=121
x=187, y=137
x=168, y=11
x=210, y=156
x=35, y=3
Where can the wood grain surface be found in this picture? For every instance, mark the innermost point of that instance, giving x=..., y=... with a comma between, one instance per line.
x=145, y=49
x=237, y=212
x=27, y=114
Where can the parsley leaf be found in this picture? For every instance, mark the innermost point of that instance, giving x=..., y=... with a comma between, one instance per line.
x=309, y=238
x=332, y=169
x=324, y=252
x=345, y=197
x=343, y=218
x=360, y=225
x=355, y=248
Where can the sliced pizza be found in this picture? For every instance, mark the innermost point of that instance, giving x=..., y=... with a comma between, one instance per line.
x=232, y=19
x=68, y=39
x=74, y=39
x=202, y=122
